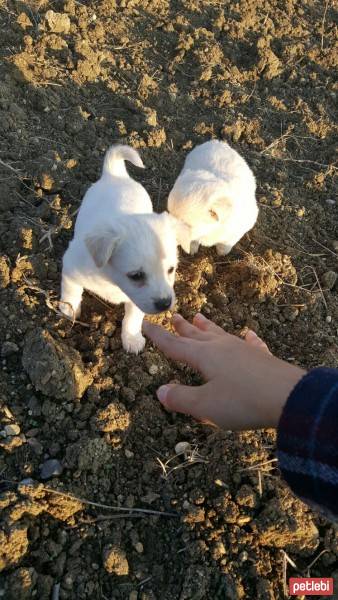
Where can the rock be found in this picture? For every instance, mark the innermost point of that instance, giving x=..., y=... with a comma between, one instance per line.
x=153, y=369
x=24, y=21
x=4, y=273
x=57, y=22
x=113, y=418
x=115, y=560
x=329, y=280
x=54, y=368
x=283, y=523
x=196, y=514
x=12, y=429
x=218, y=550
x=182, y=448
x=8, y=348
x=14, y=545
x=139, y=547
x=51, y=468
x=290, y=313
x=20, y=584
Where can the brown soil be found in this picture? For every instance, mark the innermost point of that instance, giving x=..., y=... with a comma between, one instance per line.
x=162, y=76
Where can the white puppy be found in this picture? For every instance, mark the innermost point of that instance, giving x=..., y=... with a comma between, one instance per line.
x=215, y=196
x=121, y=250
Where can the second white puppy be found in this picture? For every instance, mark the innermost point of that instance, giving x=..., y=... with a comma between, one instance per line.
x=121, y=250
x=215, y=196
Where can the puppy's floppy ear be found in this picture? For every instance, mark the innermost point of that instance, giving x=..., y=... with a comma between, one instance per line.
x=182, y=231
x=101, y=245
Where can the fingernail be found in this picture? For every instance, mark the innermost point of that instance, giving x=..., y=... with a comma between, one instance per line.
x=162, y=393
x=200, y=317
x=177, y=317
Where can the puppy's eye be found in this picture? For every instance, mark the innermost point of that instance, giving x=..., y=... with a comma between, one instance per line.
x=171, y=270
x=138, y=276
x=213, y=214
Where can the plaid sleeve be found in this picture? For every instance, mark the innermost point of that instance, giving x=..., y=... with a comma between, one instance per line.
x=307, y=440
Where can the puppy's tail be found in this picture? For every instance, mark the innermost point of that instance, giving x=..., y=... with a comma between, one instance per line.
x=115, y=157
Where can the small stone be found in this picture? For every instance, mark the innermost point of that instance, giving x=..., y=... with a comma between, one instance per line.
x=243, y=557
x=328, y=319
x=329, y=279
x=218, y=550
x=139, y=547
x=291, y=313
x=51, y=468
x=36, y=446
x=4, y=272
x=57, y=22
x=12, y=429
x=243, y=520
x=182, y=448
x=115, y=561
x=9, y=348
x=128, y=453
x=153, y=369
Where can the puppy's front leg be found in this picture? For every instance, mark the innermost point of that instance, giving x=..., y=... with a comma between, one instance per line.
x=71, y=295
x=132, y=338
x=194, y=246
x=223, y=248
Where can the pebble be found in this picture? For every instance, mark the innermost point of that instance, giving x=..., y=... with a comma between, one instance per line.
x=182, y=448
x=12, y=429
x=153, y=369
x=57, y=22
x=128, y=453
x=51, y=468
x=9, y=348
x=329, y=279
x=328, y=319
x=139, y=547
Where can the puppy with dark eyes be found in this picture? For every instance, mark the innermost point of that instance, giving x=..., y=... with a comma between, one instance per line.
x=121, y=250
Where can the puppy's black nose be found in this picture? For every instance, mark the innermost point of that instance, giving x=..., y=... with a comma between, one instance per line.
x=162, y=304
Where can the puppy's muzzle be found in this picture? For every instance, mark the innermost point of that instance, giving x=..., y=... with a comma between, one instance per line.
x=162, y=304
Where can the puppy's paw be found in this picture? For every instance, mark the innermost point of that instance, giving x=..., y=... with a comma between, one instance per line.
x=133, y=343
x=68, y=311
x=194, y=246
x=223, y=249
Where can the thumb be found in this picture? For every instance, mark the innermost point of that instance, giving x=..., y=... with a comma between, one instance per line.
x=181, y=398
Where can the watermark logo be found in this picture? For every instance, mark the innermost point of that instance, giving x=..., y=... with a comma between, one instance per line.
x=311, y=586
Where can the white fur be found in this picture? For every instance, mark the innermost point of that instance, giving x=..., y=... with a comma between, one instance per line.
x=214, y=195
x=116, y=234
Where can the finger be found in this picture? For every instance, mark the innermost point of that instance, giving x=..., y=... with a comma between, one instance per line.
x=185, y=329
x=181, y=398
x=173, y=346
x=252, y=338
x=203, y=324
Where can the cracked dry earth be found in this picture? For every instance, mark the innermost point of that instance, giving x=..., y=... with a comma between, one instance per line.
x=78, y=415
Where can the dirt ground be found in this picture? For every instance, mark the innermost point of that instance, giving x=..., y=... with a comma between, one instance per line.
x=161, y=76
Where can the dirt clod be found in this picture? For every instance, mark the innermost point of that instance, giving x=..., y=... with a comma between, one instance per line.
x=54, y=369
x=115, y=561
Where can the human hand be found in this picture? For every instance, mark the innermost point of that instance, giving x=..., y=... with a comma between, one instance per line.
x=245, y=386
